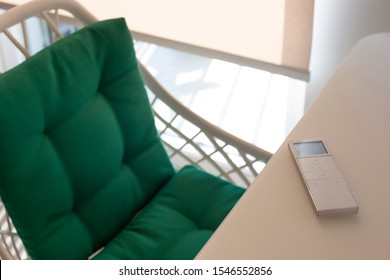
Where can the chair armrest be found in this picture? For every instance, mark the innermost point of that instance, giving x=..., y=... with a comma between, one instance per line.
x=226, y=155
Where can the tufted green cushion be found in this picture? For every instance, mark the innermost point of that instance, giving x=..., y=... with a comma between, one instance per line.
x=82, y=166
x=79, y=151
x=186, y=212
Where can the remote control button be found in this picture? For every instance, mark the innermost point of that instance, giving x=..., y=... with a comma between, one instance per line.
x=323, y=175
x=316, y=160
x=319, y=167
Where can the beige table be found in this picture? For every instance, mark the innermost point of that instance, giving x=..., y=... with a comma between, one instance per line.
x=275, y=220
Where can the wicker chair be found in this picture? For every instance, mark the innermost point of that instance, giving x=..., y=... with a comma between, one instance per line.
x=187, y=138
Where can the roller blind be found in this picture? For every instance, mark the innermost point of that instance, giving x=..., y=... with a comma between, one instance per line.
x=274, y=35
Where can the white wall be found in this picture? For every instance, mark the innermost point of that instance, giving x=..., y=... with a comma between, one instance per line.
x=338, y=26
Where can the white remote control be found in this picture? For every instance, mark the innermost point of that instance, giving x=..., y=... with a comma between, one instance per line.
x=328, y=190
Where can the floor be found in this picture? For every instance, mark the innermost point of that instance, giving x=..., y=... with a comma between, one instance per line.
x=257, y=106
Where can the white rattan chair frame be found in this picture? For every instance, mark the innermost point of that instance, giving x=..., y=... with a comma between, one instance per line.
x=188, y=138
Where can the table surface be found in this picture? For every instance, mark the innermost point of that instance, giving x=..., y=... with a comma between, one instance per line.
x=275, y=219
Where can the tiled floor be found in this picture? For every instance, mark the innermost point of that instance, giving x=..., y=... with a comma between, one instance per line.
x=255, y=105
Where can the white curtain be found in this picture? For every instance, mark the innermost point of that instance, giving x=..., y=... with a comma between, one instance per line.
x=274, y=35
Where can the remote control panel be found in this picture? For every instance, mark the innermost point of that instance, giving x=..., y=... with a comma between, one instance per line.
x=326, y=186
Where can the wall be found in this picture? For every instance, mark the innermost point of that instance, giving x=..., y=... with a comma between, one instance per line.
x=338, y=26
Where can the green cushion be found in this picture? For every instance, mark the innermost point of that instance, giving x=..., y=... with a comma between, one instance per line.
x=82, y=166
x=185, y=213
x=80, y=155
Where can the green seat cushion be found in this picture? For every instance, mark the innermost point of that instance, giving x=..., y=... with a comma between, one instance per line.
x=80, y=155
x=82, y=166
x=178, y=221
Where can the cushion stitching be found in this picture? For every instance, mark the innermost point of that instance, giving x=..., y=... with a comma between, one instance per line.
x=47, y=130
x=106, y=99
x=118, y=77
x=147, y=148
x=63, y=165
